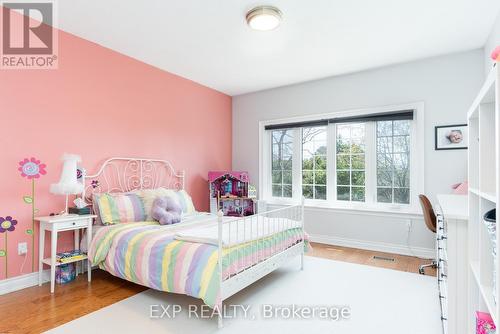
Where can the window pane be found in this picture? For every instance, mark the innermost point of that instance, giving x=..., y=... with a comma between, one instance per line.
x=384, y=161
x=358, y=161
x=402, y=195
x=277, y=190
x=358, y=194
x=314, y=152
x=384, y=129
x=357, y=131
x=343, y=161
x=350, y=162
x=343, y=178
x=401, y=127
x=307, y=163
x=343, y=131
x=343, y=146
x=384, y=145
x=320, y=178
x=401, y=144
x=358, y=178
x=384, y=178
x=343, y=193
x=320, y=192
x=287, y=177
x=393, y=161
x=287, y=163
x=402, y=178
x=320, y=162
x=307, y=177
x=307, y=192
x=384, y=195
x=282, y=151
x=277, y=176
x=400, y=161
x=357, y=146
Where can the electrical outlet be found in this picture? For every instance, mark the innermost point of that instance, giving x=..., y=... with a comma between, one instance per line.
x=22, y=248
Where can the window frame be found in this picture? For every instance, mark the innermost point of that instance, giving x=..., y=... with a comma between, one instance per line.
x=416, y=162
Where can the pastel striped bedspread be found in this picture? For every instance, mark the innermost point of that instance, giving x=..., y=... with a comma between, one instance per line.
x=146, y=253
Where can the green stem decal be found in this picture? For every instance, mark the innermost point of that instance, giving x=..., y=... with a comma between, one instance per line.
x=6, y=257
x=33, y=225
x=32, y=169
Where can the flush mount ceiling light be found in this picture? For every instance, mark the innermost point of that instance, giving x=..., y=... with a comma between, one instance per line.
x=264, y=18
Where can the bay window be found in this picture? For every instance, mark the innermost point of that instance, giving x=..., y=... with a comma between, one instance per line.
x=368, y=159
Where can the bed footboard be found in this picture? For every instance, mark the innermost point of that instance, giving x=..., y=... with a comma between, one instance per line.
x=264, y=242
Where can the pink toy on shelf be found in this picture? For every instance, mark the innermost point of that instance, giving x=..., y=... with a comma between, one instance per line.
x=229, y=193
x=484, y=323
x=495, y=55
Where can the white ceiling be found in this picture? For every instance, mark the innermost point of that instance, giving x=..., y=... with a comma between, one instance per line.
x=209, y=42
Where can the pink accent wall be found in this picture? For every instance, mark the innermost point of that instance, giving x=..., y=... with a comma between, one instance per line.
x=99, y=104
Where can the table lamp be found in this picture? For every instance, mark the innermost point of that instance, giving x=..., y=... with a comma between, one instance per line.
x=68, y=183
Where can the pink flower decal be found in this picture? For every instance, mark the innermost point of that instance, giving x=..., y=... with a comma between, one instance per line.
x=31, y=168
x=7, y=224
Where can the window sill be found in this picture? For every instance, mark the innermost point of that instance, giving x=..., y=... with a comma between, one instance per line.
x=399, y=211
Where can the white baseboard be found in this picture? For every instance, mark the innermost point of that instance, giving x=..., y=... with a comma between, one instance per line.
x=22, y=282
x=427, y=253
x=26, y=281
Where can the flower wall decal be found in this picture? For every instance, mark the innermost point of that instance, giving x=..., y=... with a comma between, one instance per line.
x=32, y=169
x=7, y=224
x=94, y=183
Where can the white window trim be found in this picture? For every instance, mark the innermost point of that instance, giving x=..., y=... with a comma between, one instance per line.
x=416, y=162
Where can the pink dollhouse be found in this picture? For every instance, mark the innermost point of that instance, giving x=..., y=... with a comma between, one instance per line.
x=229, y=193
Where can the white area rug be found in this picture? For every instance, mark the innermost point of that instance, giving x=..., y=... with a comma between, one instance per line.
x=381, y=301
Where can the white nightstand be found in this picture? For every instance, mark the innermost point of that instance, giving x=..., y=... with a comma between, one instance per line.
x=56, y=224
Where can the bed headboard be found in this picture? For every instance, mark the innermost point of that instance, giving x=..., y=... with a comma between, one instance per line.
x=127, y=174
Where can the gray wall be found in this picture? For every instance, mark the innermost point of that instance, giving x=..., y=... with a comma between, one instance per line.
x=492, y=41
x=447, y=85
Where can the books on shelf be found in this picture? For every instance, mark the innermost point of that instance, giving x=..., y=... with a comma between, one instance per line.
x=70, y=256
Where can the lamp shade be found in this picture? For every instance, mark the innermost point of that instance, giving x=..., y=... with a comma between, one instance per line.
x=68, y=184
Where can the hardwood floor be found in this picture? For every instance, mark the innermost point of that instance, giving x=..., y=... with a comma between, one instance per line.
x=35, y=309
x=361, y=256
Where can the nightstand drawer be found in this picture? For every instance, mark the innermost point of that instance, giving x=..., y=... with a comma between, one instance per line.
x=70, y=225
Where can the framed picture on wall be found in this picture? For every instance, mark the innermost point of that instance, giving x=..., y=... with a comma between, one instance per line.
x=451, y=137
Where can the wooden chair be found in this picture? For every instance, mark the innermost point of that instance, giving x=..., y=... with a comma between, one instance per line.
x=430, y=222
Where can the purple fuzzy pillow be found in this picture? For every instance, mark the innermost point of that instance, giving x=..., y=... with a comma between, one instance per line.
x=166, y=210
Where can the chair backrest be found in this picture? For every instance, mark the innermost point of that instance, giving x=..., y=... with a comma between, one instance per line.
x=429, y=215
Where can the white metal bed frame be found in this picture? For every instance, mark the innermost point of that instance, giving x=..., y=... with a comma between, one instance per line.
x=119, y=174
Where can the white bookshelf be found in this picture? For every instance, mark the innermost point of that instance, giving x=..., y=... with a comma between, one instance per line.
x=484, y=177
